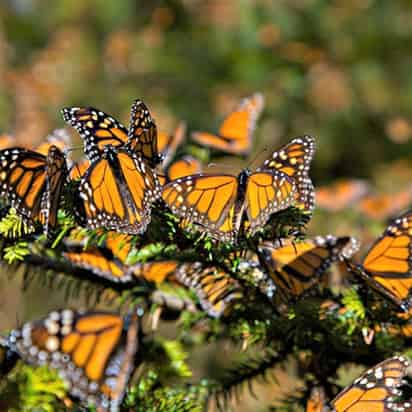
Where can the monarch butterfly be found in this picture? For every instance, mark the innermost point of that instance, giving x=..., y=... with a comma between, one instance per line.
x=99, y=129
x=217, y=203
x=385, y=205
x=236, y=131
x=118, y=190
x=185, y=166
x=340, y=195
x=168, y=143
x=387, y=266
x=296, y=267
x=375, y=389
x=33, y=183
x=94, y=352
x=316, y=401
x=216, y=290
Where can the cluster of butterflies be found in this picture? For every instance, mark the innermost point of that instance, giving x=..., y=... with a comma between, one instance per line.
x=96, y=352
x=128, y=172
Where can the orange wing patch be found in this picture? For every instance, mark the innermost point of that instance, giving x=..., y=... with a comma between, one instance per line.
x=375, y=389
x=387, y=266
x=236, y=132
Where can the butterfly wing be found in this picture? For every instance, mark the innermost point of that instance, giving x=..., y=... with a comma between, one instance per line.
x=205, y=200
x=375, y=389
x=185, y=166
x=118, y=191
x=267, y=192
x=168, y=143
x=79, y=169
x=388, y=266
x=23, y=180
x=156, y=272
x=99, y=261
x=297, y=267
x=316, y=401
x=56, y=179
x=92, y=351
x=216, y=290
x=294, y=160
x=96, y=128
x=235, y=133
x=142, y=137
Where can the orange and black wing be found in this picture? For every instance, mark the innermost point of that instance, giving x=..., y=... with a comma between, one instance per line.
x=294, y=160
x=185, y=166
x=142, y=136
x=23, y=179
x=56, y=180
x=168, y=143
x=208, y=201
x=118, y=191
x=375, y=390
x=216, y=290
x=96, y=128
x=235, y=133
x=267, y=192
x=94, y=352
x=297, y=267
x=100, y=261
x=79, y=169
x=388, y=264
x=156, y=272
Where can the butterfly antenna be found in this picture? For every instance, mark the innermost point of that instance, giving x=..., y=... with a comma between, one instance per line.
x=265, y=149
x=73, y=148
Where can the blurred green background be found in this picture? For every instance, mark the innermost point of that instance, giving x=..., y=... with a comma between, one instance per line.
x=338, y=70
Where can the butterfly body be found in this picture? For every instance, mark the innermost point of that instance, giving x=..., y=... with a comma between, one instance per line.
x=118, y=190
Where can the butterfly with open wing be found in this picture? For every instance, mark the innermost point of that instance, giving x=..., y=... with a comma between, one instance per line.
x=216, y=204
x=94, y=352
x=387, y=266
x=297, y=267
x=33, y=183
x=120, y=186
x=236, y=132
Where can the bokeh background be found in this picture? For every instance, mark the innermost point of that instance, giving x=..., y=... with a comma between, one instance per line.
x=339, y=70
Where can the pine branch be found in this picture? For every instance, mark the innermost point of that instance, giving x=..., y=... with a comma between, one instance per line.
x=244, y=373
